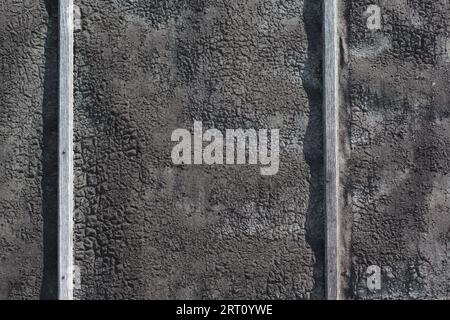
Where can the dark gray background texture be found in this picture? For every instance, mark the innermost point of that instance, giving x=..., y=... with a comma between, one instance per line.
x=146, y=229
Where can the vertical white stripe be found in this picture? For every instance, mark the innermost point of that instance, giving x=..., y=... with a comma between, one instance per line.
x=66, y=202
x=331, y=104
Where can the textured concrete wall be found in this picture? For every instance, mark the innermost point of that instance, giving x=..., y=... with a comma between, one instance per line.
x=148, y=229
x=396, y=129
x=28, y=141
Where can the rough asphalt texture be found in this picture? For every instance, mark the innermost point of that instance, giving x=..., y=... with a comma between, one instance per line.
x=396, y=129
x=28, y=142
x=148, y=229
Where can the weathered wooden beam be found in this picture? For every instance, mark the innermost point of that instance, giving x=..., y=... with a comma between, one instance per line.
x=331, y=147
x=66, y=202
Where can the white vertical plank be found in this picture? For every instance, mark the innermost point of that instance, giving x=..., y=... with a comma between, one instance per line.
x=66, y=202
x=331, y=103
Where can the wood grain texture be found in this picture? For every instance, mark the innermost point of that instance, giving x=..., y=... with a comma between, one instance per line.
x=331, y=147
x=65, y=223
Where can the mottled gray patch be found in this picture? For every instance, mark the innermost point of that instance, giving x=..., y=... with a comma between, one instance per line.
x=148, y=229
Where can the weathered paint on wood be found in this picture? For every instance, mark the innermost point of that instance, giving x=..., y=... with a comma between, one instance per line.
x=66, y=204
x=331, y=146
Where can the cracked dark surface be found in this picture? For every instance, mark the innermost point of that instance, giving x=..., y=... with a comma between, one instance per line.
x=28, y=142
x=396, y=128
x=148, y=229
